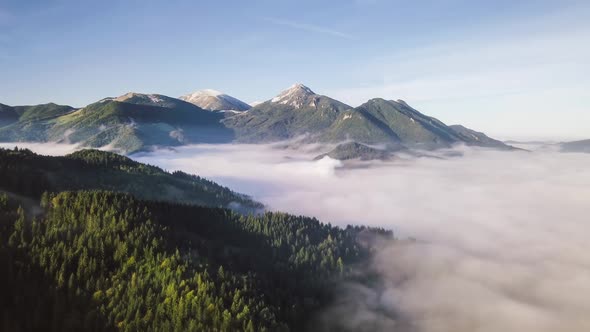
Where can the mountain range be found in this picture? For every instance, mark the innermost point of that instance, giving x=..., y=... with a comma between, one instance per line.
x=137, y=122
x=129, y=123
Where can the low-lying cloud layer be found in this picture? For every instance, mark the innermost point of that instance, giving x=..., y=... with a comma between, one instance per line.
x=502, y=238
x=48, y=149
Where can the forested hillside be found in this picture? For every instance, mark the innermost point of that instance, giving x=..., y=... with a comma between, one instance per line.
x=137, y=258
x=30, y=174
x=108, y=261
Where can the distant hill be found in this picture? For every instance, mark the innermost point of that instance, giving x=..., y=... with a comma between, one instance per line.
x=29, y=123
x=99, y=170
x=354, y=150
x=576, y=146
x=43, y=111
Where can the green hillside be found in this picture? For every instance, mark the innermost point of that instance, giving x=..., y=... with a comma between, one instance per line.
x=30, y=123
x=42, y=111
x=30, y=174
x=8, y=115
x=475, y=138
x=384, y=121
x=128, y=124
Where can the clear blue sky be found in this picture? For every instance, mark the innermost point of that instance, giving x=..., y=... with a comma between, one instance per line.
x=516, y=69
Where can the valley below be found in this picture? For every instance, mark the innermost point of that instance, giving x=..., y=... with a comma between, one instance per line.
x=509, y=228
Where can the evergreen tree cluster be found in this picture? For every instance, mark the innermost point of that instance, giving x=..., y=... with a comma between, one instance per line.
x=100, y=261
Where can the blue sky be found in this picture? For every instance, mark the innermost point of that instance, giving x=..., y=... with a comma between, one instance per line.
x=513, y=69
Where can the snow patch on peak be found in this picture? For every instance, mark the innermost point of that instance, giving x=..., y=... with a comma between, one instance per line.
x=231, y=111
x=294, y=95
x=126, y=96
x=155, y=99
x=104, y=100
x=129, y=95
x=212, y=92
x=301, y=87
x=215, y=100
x=203, y=93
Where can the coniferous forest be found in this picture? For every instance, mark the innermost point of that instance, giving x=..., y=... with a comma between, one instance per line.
x=30, y=174
x=103, y=260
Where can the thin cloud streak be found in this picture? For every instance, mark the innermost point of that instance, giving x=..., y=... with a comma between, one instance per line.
x=309, y=27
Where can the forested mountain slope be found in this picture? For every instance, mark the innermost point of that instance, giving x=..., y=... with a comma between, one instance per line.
x=101, y=261
x=30, y=174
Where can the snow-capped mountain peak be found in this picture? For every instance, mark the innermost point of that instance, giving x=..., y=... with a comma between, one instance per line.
x=214, y=100
x=205, y=92
x=300, y=88
x=296, y=95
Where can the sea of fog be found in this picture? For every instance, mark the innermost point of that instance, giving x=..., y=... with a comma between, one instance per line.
x=502, y=238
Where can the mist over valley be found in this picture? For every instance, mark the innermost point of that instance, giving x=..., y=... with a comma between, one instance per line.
x=507, y=227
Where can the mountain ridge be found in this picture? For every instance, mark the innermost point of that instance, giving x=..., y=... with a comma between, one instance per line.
x=136, y=122
x=576, y=146
x=293, y=112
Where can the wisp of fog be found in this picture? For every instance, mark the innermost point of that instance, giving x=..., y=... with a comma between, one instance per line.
x=501, y=238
